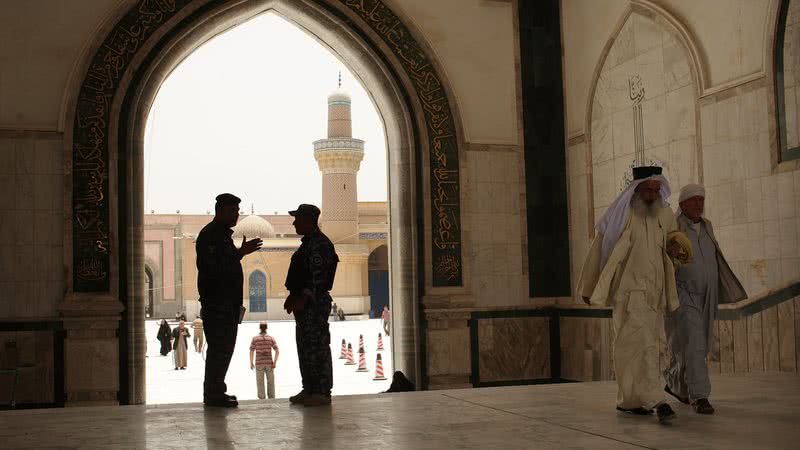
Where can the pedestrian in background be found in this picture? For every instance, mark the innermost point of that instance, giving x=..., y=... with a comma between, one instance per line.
x=262, y=346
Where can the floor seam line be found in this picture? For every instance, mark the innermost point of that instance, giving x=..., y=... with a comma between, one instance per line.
x=550, y=423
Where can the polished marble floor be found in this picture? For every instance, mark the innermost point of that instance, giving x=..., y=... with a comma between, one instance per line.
x=753, y=412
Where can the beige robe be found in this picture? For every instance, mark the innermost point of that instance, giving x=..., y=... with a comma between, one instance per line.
x=638, y=281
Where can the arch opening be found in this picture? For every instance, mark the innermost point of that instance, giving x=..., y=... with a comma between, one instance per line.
x=391, y=96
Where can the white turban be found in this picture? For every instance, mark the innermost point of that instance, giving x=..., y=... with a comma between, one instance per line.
x=614, y=220
x=689, y=191
x=692, y=190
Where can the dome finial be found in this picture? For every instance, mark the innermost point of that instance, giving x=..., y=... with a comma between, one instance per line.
x=340, y=78
x=252, y=209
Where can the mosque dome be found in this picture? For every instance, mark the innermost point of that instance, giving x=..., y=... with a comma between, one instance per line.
x=339, y=96
x=253, y=227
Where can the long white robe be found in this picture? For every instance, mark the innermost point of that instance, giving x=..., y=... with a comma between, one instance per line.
x=638, y=281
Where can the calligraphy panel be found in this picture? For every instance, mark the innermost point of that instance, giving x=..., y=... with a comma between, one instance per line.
x=446, y=263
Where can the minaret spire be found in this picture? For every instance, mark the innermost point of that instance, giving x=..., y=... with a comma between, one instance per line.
x=339, y=158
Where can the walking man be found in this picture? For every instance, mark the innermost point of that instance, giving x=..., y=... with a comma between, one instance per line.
x=220, y=283
x=386, y=318
x=262, y=345
x=180, y=346
x=310, y=278
x=197, y=326
x=702, y=284
x=629, y=267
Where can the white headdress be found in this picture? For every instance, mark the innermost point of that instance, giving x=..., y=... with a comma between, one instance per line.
x=687, y=192
x=613, y=221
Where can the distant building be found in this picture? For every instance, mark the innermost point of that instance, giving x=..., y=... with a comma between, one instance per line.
x=359, y=231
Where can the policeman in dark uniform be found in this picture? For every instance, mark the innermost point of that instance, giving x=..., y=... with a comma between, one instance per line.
x=309, y=281
x=219, y=282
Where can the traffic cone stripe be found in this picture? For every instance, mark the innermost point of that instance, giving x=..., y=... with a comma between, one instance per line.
x=362, y=361
x=380, y=342
x=350, y=361
x=379, y=368
x=343, y=355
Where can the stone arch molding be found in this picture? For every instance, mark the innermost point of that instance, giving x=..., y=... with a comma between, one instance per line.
x=643, y=96
x=105, y=143
x=92, y=224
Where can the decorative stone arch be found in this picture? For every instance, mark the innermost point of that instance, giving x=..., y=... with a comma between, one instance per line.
x=157, y=273
x=698, y=67
x=787, y=153
x=105, y=144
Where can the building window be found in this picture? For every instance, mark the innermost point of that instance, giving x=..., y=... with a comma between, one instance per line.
x=258, y=292
x=787, y=79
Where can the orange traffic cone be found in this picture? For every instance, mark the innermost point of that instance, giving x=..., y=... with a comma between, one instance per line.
x=380, y=342
x=360, y=341
x=350, y=361
x=362, y=361
x=379, y=368
x=344, y=350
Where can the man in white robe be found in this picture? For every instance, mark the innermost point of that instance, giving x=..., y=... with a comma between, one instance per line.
x=702, y=284
x=629, y=268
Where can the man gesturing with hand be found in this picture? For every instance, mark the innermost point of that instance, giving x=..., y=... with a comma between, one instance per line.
x=220, y=283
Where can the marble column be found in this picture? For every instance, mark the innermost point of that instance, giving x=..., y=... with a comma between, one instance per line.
x=91, y=349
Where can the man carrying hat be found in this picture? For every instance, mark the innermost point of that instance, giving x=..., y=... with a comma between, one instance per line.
x=702, y=284
x=310, y=278
x=220, y=284
x=629, y=267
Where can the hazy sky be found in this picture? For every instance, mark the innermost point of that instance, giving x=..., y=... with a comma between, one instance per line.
x=240, y=114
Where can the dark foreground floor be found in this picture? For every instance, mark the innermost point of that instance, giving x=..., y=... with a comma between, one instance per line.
x=752, y=412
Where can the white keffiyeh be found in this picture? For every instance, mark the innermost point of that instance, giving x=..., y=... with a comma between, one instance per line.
x=613, y=221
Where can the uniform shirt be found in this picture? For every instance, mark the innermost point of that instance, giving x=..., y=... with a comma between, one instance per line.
x=197, y=324
x=219, y=267
x=263, y=345
x=313, y=266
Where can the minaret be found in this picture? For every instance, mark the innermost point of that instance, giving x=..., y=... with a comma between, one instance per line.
x=339, y=158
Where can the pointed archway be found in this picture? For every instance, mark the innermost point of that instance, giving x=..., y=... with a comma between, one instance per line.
x=105, y=250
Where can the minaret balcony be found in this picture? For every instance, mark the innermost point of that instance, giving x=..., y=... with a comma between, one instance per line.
x=339, y=144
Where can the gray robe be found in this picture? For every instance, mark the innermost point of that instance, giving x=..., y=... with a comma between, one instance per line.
x=689, y=330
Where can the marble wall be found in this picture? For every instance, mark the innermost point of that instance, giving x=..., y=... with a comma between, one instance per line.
x=644, y=99
x=495, y=201
x=34, y=352
x=31, y=224
x=512, y=349
x=753, y=204
x=586, y=349
x=768, y=341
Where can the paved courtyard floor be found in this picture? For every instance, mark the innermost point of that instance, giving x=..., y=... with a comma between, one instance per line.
x=167, y=385
x=753, y=412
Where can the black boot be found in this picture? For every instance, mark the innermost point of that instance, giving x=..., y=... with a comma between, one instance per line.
x=702, y=406
x=665, y=413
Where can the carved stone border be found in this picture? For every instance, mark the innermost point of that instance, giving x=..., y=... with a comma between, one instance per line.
x=90, y=147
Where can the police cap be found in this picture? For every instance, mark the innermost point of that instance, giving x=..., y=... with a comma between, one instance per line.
x=305, y=210
x=228, y=199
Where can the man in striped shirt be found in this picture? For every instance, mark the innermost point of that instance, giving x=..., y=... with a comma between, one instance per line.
x=262, y=345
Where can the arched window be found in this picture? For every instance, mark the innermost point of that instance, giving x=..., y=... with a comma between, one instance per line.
x=787, y=79
x=258, y=292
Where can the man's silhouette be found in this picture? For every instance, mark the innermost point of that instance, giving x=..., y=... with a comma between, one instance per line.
x=309, y=281
x=220, y=284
